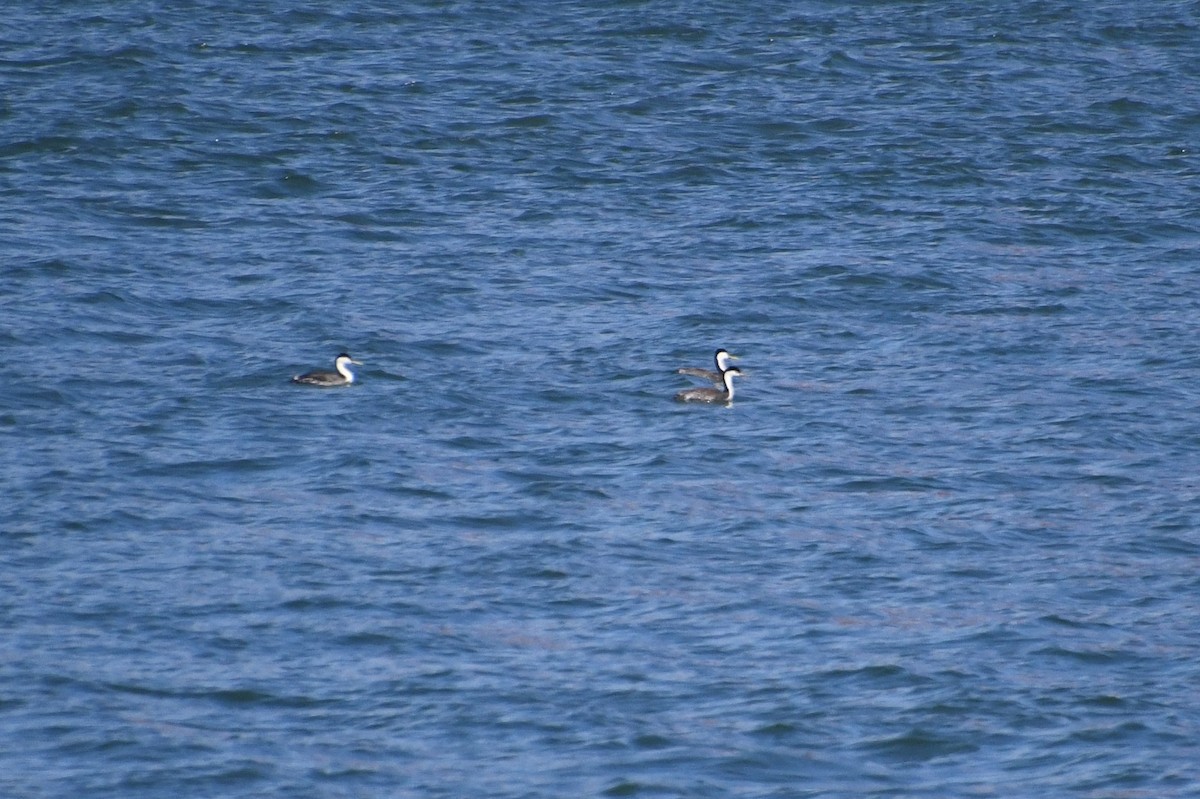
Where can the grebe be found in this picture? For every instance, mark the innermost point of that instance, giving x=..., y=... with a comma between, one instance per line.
x=722, y=359
x=712, y=394
x=342, y=377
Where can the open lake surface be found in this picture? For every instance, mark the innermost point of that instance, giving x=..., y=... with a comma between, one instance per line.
x=945, y=542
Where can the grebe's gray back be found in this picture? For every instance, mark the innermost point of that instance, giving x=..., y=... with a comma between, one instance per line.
x=342, y=377
x=721, y=358
x=712, y=394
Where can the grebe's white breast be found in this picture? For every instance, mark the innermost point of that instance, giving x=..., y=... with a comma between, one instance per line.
x=343, y=376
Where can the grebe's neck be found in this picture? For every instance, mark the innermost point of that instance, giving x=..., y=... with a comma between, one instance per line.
x=343, y=367
x=728, y=385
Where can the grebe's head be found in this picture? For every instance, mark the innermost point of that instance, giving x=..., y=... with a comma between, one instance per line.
x=345, y=358
x=723, y=357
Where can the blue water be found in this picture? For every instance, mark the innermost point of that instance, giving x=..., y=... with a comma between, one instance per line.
x=945, y=542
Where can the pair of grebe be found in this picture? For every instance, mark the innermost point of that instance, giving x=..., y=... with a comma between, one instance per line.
x=723, y=376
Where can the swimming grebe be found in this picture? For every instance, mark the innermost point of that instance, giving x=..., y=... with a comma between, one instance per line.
x=722, y=359
x=342, y=377
x=712, y=394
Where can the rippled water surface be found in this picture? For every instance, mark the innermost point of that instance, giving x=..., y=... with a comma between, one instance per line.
x=943, y=543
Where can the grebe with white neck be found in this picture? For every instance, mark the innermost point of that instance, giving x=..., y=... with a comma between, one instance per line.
x=342, y=377
x=712, y=394
x=721, y=358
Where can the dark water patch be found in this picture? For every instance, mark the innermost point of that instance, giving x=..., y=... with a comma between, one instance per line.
x=888, y=675
x=919, y=746
x=42, y=145
x=221, y=466
x=290, y=184
x=246, y=697
x=1117, y=732
x=1048, y=309
x=533, y=121
x=891, y=484
x=369, y=640
x=1085, y=656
